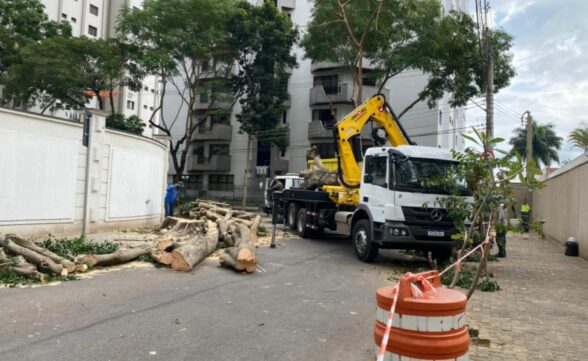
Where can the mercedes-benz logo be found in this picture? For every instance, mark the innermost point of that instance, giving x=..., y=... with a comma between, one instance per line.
x=436, y=215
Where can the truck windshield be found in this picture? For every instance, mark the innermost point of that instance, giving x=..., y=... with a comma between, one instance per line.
x=411, y=172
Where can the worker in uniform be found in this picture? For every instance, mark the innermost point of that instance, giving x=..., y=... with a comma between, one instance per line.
x=525, y=215
x=501, y=222
x=171, y=197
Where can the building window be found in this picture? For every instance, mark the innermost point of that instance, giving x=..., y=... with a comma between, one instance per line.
x=194, y=182
x=93, y=10
x=92, y=30
x=284, y=120
x=130, y=105
x=146, y=88
x=369, y=79
x=152, y=90
x=330, y=83
x=205, y=65
x=198, y=152
x=74, y=20
x=64, y=16
x=219, y=149
x=145, y=106
x=204, y=97
x=440, y=117
x=325, y=117
x=150, y=108
x=220, y=182
x=325, y=150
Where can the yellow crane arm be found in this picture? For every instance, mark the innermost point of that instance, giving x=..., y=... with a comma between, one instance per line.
x=377, y=109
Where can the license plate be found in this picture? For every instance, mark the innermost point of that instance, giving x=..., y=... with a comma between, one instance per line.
x=436, y=233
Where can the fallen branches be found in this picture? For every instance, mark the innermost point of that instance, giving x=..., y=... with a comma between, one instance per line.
x=43, y=263
x=118, y=257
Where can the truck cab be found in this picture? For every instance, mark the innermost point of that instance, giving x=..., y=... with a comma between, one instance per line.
x=395, y=209
x=278, y=184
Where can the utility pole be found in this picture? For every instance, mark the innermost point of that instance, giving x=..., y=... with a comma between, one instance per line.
x=529, y=143
x=490, y=97
x=247, y=172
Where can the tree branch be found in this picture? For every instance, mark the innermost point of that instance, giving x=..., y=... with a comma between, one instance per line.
x=411, y=105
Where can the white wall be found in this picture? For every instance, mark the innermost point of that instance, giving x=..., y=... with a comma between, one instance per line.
x=42, y=176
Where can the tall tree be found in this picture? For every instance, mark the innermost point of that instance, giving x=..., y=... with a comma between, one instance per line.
x=69, y=71
x=22, y=23
x=579, y=137
x=262, y=39
x=397, y=35
x=545, y=143
x=184, y=42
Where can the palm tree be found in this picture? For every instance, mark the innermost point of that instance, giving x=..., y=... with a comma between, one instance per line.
x=545, y=143
x=579, y=137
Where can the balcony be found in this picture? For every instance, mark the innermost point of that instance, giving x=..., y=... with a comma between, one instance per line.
x=317, y=130
x=217, y=132
x=323, y=65
x=203, y=103
x=288, y=4
x=342, y=94
x=214, y=163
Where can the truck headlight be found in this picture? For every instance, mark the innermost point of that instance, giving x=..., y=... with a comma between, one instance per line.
x=396, y=232
x=403, y=233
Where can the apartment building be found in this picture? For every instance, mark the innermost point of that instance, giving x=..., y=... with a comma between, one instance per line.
x=217, y=153
x=97, y=19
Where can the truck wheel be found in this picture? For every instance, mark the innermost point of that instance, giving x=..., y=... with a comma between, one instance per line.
x=365, y=249
x=301, y=228
x=292, y=215
x=442, y=254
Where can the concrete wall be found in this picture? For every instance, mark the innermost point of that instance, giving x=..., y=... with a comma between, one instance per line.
x=563, y=204
x=42, y=176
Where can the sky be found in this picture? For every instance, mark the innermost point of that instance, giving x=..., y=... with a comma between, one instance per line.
x=551, y=60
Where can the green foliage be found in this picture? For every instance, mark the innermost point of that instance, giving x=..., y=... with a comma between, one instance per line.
x=408, y=34
x=262, y=38
x=69, y=71
x=10, y=278
x=71, y=247
x=579, y=137
x=537, y=226
x=546, y=143
x=466, y=277
x=22, y=23
x=132, y=124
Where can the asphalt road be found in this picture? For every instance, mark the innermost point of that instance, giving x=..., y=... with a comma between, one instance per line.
x=309, y=300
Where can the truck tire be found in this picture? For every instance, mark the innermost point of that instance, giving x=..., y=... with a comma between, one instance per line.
x=301, y=228
x=365, y=249
x=292, y=215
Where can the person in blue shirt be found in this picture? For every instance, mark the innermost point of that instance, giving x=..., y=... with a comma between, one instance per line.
x=171, y=197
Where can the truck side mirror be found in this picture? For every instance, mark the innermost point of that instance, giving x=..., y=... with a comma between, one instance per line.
x=368, y=178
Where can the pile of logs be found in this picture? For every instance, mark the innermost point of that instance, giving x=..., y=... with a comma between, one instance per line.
x=181, y=244
x=34, y=261
x=319, y=175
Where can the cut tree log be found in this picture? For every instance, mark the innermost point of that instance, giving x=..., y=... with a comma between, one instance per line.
x=69, y=265
x=189, y=255
x=256, y=223
x=43, y=263
x=118, y=257
x=165, y=244
x=22, y=267
x=4, y=261
x=162, y=257
x=242, y=257
x=319, y=175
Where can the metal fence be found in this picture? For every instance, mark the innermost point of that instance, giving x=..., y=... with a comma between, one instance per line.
x=232, y=195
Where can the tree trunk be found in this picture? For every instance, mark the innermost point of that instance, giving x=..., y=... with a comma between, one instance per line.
x=69, y=265
x=246, y=177
x=242, y=257
x=43, y=263
x=22, y=267
x=192, y=253
x=162, y=257
x=118, y=257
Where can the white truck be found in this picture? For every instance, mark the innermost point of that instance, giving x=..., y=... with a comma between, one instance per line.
x=380, y=203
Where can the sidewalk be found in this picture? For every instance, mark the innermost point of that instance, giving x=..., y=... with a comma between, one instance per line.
x=541, y=310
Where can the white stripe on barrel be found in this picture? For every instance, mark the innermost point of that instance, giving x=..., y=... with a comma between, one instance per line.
x=389, y=356
x=422, y=323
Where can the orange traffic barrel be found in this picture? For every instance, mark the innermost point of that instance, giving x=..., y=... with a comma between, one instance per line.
x=428, y=323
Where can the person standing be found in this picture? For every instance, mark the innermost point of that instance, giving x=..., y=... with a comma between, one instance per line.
x=525, y=215
x=501, y=228
x=171, y=197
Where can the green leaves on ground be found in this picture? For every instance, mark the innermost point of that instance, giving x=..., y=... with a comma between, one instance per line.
x=71, y=247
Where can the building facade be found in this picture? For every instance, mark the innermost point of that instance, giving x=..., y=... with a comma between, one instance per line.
x=97, y=19
x=217, y=153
